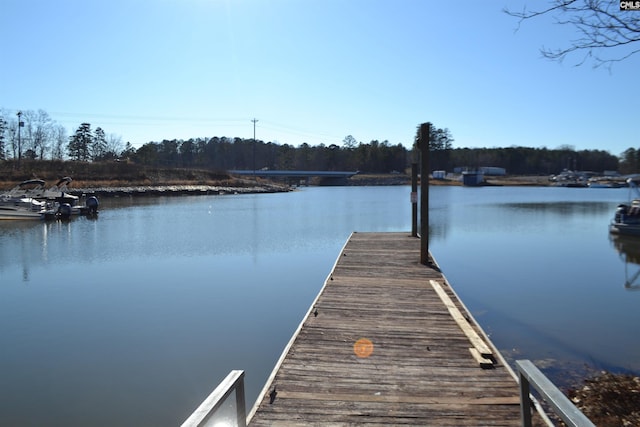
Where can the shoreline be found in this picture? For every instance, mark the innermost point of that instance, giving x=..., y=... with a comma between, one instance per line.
x=259, y=187
x=176, y=190
x=178, y=186
x=490, y=181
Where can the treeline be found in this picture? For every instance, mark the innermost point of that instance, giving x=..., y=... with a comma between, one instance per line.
x=630, y=161
x=34, y=135
x=237, y=153
x=534, y=161
x=372, y=157
x=39, y=138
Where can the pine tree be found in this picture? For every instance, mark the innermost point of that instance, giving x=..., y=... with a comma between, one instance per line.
x=99, y=144
x=80, y=143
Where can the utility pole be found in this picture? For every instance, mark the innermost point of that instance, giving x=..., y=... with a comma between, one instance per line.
x=20, y=124
x=254, y=147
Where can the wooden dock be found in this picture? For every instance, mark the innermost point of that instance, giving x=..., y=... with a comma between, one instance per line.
x=387, y=342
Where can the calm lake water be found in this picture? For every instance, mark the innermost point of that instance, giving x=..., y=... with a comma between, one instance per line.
x=132, y=319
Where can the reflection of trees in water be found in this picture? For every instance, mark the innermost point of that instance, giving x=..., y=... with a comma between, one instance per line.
x=563, y=208
x=440, y=214
x=438, y=222
x=440, y=203
x=438, y=231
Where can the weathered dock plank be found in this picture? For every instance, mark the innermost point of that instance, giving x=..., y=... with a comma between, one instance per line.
x=380, y=347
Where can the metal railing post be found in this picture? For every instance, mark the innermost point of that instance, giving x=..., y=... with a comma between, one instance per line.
x=240, y=403
x=203, y=415
x=525, y=401
x=531, y=376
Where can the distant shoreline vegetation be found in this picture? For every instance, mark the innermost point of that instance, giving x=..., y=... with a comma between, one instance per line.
x=370, y=158
x=375, y=157
x=131, y=178
x=40, y=137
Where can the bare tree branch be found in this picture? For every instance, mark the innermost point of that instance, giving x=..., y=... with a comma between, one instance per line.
x=604, y=32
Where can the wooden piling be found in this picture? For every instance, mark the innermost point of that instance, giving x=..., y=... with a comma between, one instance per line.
x=423, y=145
x=414, y=200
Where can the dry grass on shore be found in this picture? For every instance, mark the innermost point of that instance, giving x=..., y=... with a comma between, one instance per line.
x=110, y=174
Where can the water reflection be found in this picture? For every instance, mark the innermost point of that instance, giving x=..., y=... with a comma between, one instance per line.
x=141, y=298
x=33, y=244
x=628, y=248
x=562, y=208
x=25, y=236
x=163, y=296
x=439, y=213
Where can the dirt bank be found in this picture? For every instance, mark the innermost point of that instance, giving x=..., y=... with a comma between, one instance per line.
x=117, y=178
x=122, y=175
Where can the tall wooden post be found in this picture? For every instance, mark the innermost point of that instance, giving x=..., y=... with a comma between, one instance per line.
x=423, y=145
x=414, y=199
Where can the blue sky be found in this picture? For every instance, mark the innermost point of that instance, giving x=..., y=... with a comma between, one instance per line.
x=311, y=71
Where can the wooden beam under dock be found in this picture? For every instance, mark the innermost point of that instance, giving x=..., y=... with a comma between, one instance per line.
x=388, y=342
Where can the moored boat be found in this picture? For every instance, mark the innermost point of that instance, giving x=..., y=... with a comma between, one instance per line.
x=626, y=220
x=19, y=203
x=31, y=200
x=64, y=204
x=22, y=209
x=601, y=182
x=624, y=228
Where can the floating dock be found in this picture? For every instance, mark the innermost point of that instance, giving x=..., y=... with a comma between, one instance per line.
x=387, y=342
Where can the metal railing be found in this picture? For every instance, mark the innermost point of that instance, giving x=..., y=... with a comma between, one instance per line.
x=530, y=375
x=211, y=411
x=207, y=413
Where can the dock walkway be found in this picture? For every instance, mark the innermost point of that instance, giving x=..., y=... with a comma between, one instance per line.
x=387, y=342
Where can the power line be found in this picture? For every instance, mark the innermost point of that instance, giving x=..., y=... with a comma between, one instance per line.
x=71, y=119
